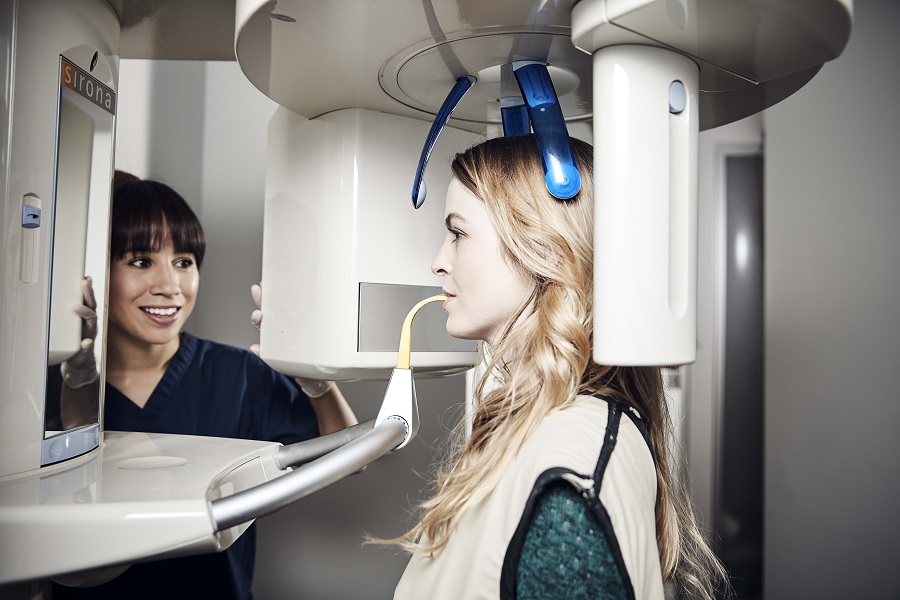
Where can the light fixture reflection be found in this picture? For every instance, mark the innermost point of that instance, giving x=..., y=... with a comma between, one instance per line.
x=741, y=250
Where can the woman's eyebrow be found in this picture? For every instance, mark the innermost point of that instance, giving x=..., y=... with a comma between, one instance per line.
x=450, y=218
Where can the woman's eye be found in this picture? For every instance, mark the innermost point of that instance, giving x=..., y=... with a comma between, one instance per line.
x=456, y=234
x=184, y=263
x=140, y=262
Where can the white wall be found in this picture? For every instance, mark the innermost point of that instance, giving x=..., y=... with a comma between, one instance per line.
x=832, y=330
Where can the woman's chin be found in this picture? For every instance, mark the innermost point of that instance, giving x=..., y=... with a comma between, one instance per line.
x=462, y=333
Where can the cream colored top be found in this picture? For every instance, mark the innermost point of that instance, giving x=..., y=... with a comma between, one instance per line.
x=469, y=567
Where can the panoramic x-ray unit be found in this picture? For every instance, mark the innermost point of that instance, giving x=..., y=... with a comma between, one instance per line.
x=375, y=98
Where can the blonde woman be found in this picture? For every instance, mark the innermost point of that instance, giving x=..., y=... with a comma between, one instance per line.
x=565, y=488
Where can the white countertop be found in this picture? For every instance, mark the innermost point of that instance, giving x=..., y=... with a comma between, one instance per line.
x=138, y=496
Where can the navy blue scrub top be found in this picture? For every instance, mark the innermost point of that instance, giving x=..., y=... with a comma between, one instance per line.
x=208, y=389
x=216, y=390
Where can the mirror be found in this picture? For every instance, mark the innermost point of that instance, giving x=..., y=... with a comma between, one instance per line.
x=79, y=254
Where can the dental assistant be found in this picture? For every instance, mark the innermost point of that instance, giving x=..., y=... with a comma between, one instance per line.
x=162, y=379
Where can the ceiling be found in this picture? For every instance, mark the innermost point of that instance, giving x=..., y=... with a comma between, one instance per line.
x=176, y=29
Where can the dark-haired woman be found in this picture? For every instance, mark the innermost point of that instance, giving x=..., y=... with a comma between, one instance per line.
x=161, y=379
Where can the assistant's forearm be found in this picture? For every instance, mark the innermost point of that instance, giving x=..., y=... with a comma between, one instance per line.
x=333, y=413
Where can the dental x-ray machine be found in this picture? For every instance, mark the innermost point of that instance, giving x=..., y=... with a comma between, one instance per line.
x=371, y=94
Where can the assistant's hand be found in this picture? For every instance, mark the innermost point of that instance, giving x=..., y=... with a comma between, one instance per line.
x=81, y=369
x=313, y=388
x=256, y=315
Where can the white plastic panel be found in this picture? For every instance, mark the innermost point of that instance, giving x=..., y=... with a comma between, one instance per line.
x=338, y=214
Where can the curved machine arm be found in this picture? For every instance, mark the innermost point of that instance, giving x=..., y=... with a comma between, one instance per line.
x=295, y=455
x=278, y=493
x=336, y=455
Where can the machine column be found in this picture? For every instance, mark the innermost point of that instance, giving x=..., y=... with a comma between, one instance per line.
x=645, y=193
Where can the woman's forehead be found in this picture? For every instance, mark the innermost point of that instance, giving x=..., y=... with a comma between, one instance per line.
x=462, y=202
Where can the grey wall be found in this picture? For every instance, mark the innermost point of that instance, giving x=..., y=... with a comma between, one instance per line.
x=704, y=377
x=201, y=128
x=832, y=330
x=314, y=549
x=159, y=125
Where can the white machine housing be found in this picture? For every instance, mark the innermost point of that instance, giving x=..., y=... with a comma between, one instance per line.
x=345, y=255
x=645, y=210
x=36, y=33
x=612, y=62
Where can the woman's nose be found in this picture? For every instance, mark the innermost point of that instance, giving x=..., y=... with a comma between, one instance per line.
x=440, y=265
x=166, y=281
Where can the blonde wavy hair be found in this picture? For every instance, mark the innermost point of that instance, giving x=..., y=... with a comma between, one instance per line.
x=545, y=361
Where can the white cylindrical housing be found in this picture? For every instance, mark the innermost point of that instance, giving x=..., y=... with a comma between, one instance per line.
x=645, y=193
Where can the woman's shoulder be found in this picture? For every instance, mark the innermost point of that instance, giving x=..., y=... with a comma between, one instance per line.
x=569, y=437
x=581, y=421
x=582, y=407
x=573, y=437
x=217, y=355
x=587, y=417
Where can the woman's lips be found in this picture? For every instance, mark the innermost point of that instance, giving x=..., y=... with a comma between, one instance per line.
x=161, y=315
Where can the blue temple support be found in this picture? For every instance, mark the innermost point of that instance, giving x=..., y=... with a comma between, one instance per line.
x=456, y=94
x=515, y=117
x=560, y=172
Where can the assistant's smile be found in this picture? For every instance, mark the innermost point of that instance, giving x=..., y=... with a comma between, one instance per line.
x=160, y=311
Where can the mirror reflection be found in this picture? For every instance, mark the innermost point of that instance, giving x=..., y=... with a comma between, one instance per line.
x=80, y=237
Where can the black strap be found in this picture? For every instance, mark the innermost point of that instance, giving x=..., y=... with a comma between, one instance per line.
x=611, y=436
x=609, y=443
x=631, y=414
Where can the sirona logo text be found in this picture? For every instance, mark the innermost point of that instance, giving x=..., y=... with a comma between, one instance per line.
x=86, y=86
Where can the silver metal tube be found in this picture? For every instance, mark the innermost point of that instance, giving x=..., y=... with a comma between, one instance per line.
x=276, y=494
x=294, y=455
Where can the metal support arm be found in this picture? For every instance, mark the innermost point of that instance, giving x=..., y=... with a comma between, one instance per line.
x=276, y=494
x=294, y=455
x=336, y=456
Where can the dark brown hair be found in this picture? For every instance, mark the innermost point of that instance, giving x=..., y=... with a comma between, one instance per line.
x=146, y=214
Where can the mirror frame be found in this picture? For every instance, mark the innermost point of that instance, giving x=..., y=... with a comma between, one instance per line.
x=79, y=237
